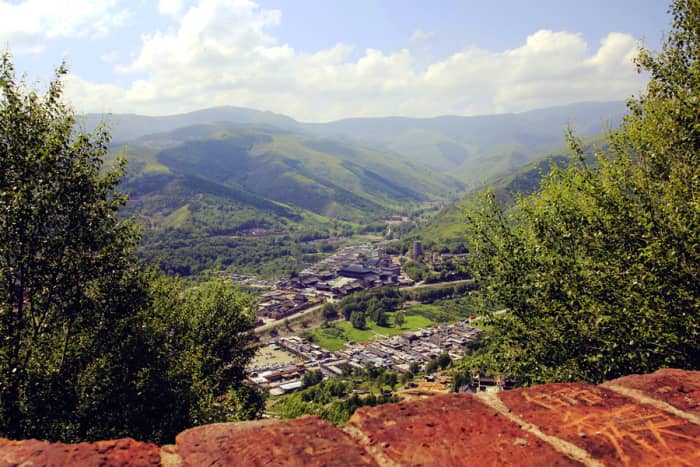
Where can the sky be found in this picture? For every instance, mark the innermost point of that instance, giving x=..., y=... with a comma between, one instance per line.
x=321, y=60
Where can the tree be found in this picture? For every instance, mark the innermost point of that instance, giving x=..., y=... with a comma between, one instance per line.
x=358, y=320
x=66, y=267
x=400, y=318
x=245, y=402
x=444, y=360
x=389, y=378
x=330, y=311
x=431, y=367
x=93, y=346
x=373, y=308
x=382, y=319
x=311, y=378
x=599, y=269
x=215, y=325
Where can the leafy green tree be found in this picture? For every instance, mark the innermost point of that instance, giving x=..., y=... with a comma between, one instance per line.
x=459, y=380
x=311, y=378
x=204, y=334
x=406, y=377
x=372, y=309
x=444, y=360
x=599, y=269
x=67, y=277
x=245, y=402
x=93, y=347
x=382, y=318
x=432, y=366
x=400, y=318
x=330, y=311
x=358, y=320
x=389, y=378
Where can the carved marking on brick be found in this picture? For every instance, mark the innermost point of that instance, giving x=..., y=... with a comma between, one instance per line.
x=609, y=425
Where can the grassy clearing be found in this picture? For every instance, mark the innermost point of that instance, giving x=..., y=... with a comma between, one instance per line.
x=334, y=338
x=417, y=317
x=178, y=217
x=154, y=167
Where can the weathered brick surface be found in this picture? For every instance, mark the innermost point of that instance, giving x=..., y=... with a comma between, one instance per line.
x=612, y=428
x=454, y=429
x=306, y=441
x=635, y=420
x=120, y=452
x=679, y=388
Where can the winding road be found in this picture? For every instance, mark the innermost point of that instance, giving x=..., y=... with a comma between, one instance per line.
x=280, y=322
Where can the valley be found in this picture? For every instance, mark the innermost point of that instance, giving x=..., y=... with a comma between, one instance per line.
x=231, y=230
x=313, y=219
x=257, y=193
x=350, y=234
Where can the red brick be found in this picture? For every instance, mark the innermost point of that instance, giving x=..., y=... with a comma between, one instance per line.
x=678, y=388
x=120, y=452
x=307, y=441
x=612, y=428
x=453, y=429
x=645, y=420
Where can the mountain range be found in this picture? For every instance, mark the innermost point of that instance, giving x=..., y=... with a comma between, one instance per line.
x=213, y=174
x=471, y=149
x=447, y=228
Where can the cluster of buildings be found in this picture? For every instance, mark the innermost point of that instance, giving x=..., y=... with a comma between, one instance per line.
x=250, y=281
x=350, y=270
x=279, y=304
x=350, y=277
x=280, y=379
x=396, y=353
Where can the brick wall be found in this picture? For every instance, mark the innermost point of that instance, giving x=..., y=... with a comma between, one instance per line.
x=636, y=420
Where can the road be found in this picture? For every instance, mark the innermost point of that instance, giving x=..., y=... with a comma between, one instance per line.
x=437, y=285
x=280, y=322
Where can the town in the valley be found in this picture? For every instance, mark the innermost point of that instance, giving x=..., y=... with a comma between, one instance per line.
x=395, y=353
x=351, y=269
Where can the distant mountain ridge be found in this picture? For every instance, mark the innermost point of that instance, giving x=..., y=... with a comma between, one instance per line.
x=479, y=147
x=202, y=181
x=448, y=225
x=470, y=148
x=128, y=127
x=326, y=177
x=243, y=196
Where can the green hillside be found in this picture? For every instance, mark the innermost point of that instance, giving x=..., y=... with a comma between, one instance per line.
x=198, y=180
x=323, y=176
x=244, y=197
x=447, y=226
x=477, y=148
x=472, y=149
x=192, y=224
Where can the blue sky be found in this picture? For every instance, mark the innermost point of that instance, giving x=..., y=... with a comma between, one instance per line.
x=323, y=60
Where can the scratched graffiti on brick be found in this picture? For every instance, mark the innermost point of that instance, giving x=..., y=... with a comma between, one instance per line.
x=632, y=432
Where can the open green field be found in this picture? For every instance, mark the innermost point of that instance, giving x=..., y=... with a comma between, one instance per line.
x=417, y=316
x=334, y=338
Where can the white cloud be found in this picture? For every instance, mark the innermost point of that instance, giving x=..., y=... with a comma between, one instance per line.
x=26, y=25
x=170, y=7
x=421, y=35
x=223, y=52
x=110, y=57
